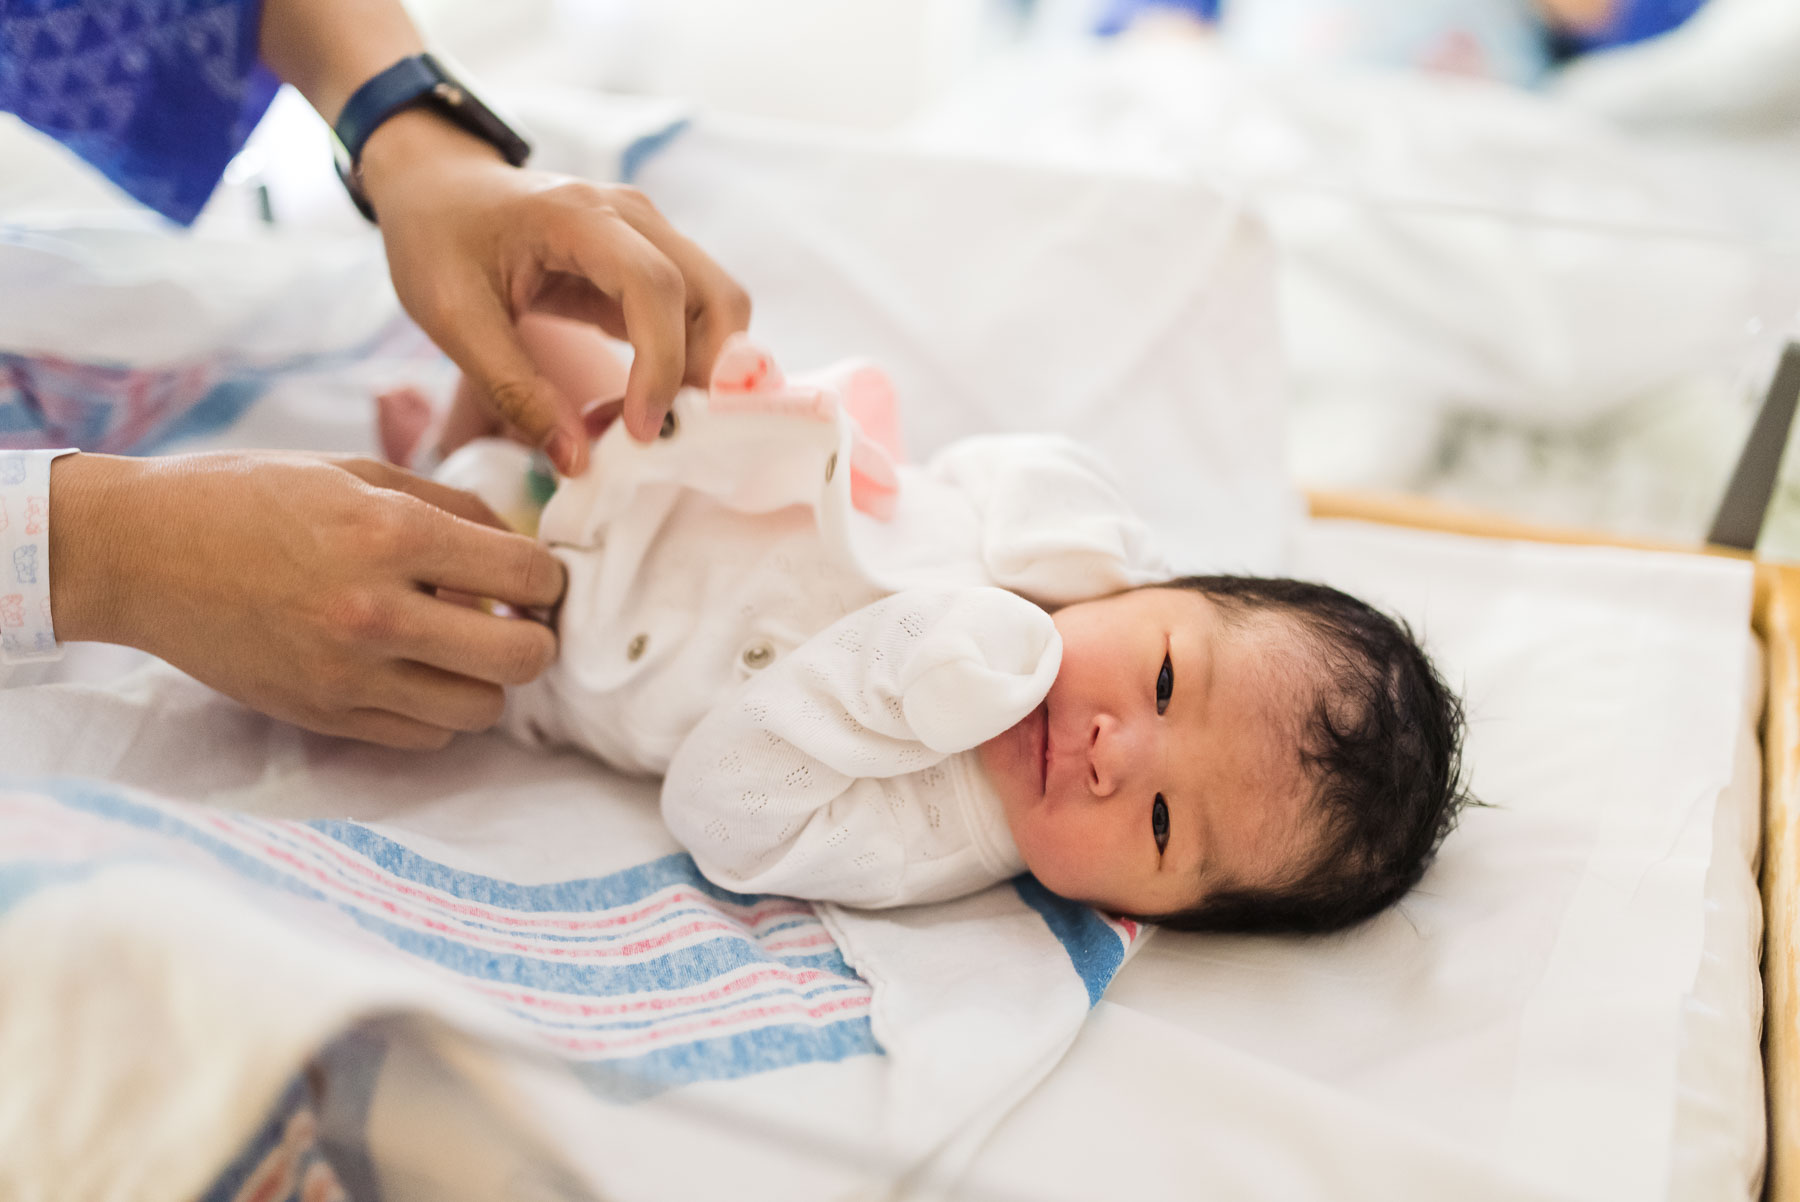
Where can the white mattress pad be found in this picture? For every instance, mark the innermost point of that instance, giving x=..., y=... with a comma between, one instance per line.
x=1567, y=1007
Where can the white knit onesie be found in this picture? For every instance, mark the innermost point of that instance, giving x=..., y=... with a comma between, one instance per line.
x=810, y=680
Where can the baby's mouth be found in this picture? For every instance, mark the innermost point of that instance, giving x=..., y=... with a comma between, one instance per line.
x=1044, y=748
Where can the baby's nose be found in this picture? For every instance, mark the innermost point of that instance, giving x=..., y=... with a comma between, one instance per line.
x=1112, y=755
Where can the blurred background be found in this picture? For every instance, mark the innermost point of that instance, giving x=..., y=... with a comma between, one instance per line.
x=1538, y=256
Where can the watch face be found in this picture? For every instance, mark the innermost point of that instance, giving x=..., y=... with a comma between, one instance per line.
x=469, y=111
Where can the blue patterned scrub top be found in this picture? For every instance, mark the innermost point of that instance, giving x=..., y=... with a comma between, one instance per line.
x=1636, y=21
x=157, y=94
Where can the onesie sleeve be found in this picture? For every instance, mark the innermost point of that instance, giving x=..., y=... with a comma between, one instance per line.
x=1053, y=525
x=158, y=97
x=818, y=776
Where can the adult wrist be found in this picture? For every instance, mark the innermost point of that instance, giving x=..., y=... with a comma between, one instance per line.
x=90, y=533
x=416, y=82
x=412, y=139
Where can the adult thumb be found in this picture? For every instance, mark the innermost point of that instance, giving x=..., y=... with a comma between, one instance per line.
x=534, y=408
x=485, y=344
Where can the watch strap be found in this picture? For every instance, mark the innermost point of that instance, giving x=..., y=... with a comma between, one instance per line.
x=418, y=79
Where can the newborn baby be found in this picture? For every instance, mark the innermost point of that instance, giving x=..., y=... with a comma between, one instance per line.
x=880, y=684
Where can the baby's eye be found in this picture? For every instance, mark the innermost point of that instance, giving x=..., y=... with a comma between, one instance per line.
x=1165, y=685
x=1159, y=823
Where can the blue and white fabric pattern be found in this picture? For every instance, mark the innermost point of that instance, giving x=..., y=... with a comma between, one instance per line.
x=639, y=983
x=131, y=409
x=156, y=94
x=26, y=630
x=646, y=978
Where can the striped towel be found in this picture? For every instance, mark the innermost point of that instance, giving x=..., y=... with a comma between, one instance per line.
x=209, y=1004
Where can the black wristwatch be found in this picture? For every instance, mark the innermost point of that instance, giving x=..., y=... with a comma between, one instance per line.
x=416, y=81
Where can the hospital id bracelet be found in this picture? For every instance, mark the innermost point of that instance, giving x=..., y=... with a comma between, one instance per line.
x=414, y=81
x=26, y=632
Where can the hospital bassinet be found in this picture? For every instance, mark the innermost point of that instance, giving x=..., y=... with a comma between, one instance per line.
x=1139, y=313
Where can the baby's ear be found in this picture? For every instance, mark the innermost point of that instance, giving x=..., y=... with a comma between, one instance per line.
x=743, y=367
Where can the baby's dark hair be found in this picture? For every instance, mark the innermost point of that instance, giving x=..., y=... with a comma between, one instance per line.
x=1383, y=747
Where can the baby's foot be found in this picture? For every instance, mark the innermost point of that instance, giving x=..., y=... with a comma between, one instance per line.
x=403, y=418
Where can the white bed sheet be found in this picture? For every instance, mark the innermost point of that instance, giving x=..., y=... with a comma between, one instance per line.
x=1569, y=1005
x=1567, y=1009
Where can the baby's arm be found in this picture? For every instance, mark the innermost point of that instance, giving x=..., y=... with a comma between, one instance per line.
x=800, y=782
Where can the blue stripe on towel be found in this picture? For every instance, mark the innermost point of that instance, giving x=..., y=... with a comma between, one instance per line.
x=588, y=893
x=685, y=967
x=1094, y=948
x=579, y=993
x=725, y=1058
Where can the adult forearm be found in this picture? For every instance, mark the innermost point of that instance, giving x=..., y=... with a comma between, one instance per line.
x=329, y=48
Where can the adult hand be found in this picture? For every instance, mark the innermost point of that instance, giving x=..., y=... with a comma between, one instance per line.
x=303, y=586
x=474, y=244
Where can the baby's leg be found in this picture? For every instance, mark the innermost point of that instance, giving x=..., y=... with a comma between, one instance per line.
x=576, y=358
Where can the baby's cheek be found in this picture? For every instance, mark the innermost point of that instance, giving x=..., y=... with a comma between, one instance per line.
x=1064, y=855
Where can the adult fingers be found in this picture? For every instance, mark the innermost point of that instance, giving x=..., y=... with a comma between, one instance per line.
x=477, y=332
x=605, y=248
x=385, y=728
x=467, y=420
x=717, y=306
x=487, y=563
x=463, y=504
x=439, y=698
x=709, y=329
x=475, y=644
x=567, y=295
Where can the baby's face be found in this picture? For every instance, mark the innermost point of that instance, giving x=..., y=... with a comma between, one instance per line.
x=1164, y=763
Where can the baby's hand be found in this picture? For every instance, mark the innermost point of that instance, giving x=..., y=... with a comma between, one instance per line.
x=978, y=660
